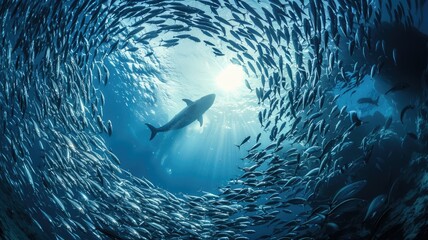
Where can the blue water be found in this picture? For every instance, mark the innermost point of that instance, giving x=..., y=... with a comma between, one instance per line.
x=193, y=159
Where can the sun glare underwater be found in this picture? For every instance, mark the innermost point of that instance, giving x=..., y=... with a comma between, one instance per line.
x=219, y=119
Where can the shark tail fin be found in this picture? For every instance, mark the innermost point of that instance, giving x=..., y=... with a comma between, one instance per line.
x=153, y=131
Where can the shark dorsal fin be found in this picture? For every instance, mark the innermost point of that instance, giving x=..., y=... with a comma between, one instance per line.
x=188, y=101
x=201, y=120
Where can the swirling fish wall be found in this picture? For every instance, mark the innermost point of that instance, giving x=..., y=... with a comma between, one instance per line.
x=328, y=172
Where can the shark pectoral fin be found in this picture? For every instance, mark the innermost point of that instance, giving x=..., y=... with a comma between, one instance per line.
x=201, y=120
x=188, y=101
x=153, y=131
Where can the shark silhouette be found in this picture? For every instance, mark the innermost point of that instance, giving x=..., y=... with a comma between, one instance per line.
x=189, y=114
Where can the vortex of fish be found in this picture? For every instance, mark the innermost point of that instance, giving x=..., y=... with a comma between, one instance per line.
x=54, y=160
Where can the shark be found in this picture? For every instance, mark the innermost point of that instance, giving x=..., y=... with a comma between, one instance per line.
x=192, y=112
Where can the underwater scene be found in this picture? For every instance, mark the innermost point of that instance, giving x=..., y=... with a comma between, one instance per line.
x=213, y=119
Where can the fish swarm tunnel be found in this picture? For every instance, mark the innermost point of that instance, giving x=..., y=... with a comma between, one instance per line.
x=329, y=167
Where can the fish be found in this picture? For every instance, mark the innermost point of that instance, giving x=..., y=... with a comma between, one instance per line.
x=255, y=146
x=109, y=128
x=351, y=47
x=192, y=112
x=312, y=150
x=373, y=70
x=395, y=56
x=404, y=110
x=370, y=101
x=375, y=207
x=354, y=118
x=258, y=137
x=398, y=87
x=246, y=139
x=349, y=191
x=247, y=84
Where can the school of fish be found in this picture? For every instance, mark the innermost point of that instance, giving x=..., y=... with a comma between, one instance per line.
x=56, y=168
